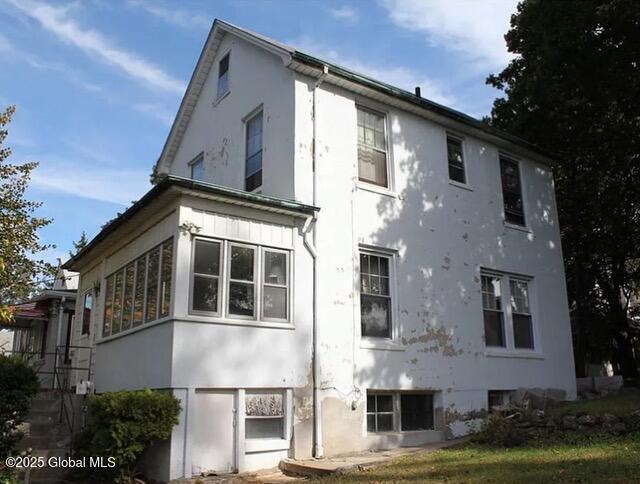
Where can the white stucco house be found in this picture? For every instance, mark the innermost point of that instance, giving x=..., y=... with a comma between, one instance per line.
x=325, y=264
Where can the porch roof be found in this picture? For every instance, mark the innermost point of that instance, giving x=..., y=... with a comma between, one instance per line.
x=186, y=185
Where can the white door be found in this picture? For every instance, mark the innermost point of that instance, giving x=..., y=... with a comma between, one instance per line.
x=212, y=440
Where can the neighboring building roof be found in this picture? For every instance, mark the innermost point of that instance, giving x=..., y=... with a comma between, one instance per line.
x=293, y=59
x=221, y=193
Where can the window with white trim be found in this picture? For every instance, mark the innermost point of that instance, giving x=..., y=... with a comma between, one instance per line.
x=521, y=314
x=253, y=280
x=223, y=76
x=380, y=414
x=253, y=156
x=87, y=307
x=140, y=291
x=372, y=148
x=512, y=191
x=264, y=415
x=375, y=295
x=455, y=159
x=492, y=311
x=399, y=411
x=516, y=316
x=197, y=167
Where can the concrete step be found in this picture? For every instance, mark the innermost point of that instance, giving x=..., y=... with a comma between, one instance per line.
x=39, y=429
x=43, y=416
x=38, y=404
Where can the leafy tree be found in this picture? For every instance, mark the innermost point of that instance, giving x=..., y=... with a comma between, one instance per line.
x=574, y=89
x=80, y=244
x=20, y=272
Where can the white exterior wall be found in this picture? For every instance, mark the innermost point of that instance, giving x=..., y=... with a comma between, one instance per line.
x=189, y=353
x=217, y=127
x=441, y=235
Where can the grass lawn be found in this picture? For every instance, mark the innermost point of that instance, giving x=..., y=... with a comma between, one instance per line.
x=583, y=459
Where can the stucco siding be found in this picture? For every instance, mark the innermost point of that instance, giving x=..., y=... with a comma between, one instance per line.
x=257, y=80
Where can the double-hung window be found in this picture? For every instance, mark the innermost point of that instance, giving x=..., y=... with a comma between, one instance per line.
x=253, y=148
x=139, y=292
x=496, y=289
x=521, y=314
x=372, y=148
x=492, y=310
x=223, y=76
x=240, y=281
x=455, y=158
x=206, y=276
x=197, y=167
x=87, y=307
x=511, y=191
x=375, y=295
x=264, y=415
x=242, y=285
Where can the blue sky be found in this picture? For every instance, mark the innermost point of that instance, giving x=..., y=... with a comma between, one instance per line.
x=97, y=82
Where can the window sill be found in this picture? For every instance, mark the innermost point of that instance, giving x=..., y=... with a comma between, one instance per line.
x=386, y=345
x=220, y=98
x=265, y=445
x=129, y=331
x=193, y=318
x=520, y=228
x=368, y=187
x=457, y=184
x=503, y=353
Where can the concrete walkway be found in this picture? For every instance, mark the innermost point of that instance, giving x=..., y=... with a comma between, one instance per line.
x=359, y=461
x=292, y=470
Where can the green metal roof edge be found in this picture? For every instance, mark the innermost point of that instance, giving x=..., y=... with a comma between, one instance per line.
x=419, y=101
x=173, y=180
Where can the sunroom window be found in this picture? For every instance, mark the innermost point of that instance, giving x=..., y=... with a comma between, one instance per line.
x=254, y=281
x=133, y=293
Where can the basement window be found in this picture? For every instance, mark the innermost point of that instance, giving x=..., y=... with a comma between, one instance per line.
x=264, y=415
x=406, y=411
x=497, y=398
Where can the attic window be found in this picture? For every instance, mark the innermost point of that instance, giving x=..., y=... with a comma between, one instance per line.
x=223, y=76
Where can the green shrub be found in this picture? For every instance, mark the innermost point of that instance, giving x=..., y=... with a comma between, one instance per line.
x=498, y=431
x=122, y=425
x=18, y=385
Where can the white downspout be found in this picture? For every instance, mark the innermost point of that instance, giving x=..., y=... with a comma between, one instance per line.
x=63, y=300
x=318, y=447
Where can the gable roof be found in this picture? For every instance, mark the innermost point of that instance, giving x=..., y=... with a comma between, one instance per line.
x=314, y=66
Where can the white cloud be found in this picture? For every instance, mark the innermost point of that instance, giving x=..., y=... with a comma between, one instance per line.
x=473, y=28
x=57, y=21
x=89, y=180
x=156, y=111
x=345, y=13
x=9, y=50
x=174, y=16
x=399, y=76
